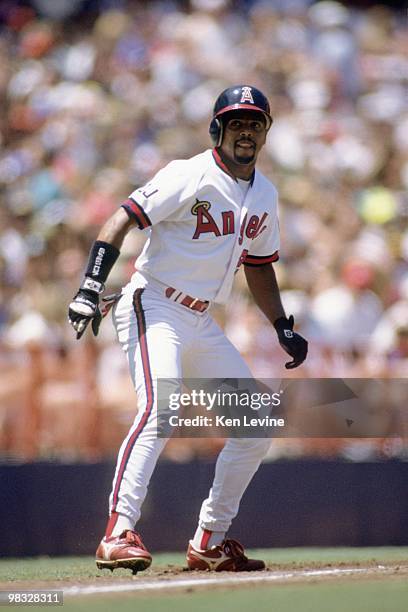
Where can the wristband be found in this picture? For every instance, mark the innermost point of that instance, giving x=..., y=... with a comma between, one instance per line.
x=101, y=260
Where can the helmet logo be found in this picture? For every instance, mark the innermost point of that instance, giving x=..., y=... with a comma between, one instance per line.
x=247, y=95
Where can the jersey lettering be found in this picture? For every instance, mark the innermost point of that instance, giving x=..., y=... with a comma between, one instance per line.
x=228, y=222
x=255, y=227
x=261, y=227
x=252, y=226
x=241, y=231
x=205, y=223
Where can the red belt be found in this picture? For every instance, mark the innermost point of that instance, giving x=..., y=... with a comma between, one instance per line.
x=186, y=300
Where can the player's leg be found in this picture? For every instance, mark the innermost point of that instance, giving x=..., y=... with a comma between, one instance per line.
x=215, y=356
x=153, y=351
x=153, y=348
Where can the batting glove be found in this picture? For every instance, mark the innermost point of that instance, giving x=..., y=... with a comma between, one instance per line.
x=85, y=307
x=291, y=342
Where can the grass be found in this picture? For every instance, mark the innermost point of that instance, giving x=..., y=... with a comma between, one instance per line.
x=333, y=597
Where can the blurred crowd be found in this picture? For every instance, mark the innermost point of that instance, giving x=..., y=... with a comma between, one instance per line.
x=97, y=96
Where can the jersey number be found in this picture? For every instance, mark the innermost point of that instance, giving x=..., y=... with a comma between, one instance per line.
x=148, y=194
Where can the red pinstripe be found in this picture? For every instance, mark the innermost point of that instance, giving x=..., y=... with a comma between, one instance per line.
x=141, y=325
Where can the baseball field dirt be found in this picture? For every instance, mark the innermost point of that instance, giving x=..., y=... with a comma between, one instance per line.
x=322, y=580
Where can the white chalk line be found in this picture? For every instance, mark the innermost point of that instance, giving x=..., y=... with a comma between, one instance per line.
x=180, y=583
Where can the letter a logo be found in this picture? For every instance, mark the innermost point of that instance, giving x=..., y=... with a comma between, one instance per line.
x=247, y=95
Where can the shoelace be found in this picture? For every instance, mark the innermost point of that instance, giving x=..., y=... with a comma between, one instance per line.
x=234, y=549
x=132, y=537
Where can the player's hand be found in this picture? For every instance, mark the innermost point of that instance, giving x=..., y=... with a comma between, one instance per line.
x=83, y=309
x=291, y=342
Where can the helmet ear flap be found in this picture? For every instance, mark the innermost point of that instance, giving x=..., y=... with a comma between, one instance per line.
x=215, y=131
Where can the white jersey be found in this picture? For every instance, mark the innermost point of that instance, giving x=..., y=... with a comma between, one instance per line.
x=203, y=226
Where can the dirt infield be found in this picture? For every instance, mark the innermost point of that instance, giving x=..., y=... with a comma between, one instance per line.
x=173, y=578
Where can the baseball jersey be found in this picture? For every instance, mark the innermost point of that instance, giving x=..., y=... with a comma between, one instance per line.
x=203, y=226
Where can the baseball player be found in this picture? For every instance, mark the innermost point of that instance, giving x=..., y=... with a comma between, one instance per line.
x=205, y=216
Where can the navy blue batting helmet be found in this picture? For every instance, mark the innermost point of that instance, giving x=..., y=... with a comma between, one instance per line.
x=235, y=98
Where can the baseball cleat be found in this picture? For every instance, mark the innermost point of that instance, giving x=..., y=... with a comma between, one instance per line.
x=126, y=550
x=227, y=557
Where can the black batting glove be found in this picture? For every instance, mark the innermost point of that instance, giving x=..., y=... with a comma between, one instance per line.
x=85, y=308
x=291, y=342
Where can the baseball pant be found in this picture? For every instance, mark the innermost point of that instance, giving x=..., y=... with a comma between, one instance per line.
x=164, y=339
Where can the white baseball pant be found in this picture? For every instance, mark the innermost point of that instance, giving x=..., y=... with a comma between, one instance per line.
x=164, y=339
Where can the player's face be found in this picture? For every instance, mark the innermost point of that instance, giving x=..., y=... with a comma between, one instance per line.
x=244, y=136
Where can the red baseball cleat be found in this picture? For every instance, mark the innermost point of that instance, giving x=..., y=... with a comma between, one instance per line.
x=126, y=550
x=227, y=557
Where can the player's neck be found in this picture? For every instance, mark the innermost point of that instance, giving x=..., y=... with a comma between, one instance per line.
x=239, y=171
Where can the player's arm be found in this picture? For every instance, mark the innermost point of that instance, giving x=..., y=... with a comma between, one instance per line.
x=102, y=257
x=116, y=228
x=264, y=287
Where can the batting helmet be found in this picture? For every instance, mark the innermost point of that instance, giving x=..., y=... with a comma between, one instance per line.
x=235, y=98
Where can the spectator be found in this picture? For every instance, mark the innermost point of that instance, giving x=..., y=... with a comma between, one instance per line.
x=92, y=98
